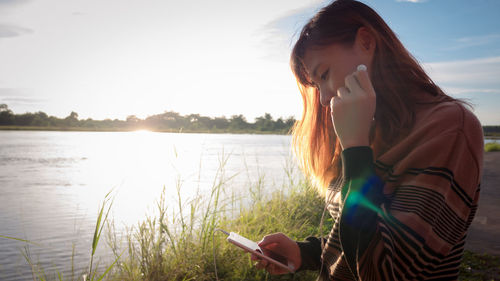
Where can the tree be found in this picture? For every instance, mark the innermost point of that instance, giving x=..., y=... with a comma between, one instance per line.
x=290, y=121
x=6, y=115
x=238, y=122
x=132, y=119
x=280, y=125
x=40, y=119
x=73, y=115
x=221, y=122
x=205, y=122
x=133, y=122
x=25, y=119
x=72, y=119
x=264, y=123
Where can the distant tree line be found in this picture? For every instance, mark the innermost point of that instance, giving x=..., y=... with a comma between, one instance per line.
x=167, y=121
x=491, y=130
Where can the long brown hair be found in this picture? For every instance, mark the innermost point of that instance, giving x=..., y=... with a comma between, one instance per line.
x=398, y=79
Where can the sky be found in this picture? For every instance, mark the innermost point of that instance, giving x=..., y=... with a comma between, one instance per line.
x=114, y=58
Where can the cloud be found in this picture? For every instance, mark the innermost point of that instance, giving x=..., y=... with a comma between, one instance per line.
x=12, y=2
x=7, y=6
x=279, y=35
x=8, y=31
x=484, y=71
x=462, y=91
x=22, y=100
x=474, y=41
x=9, y=92
x=474, y=80
x=467, y=76
x=12, y=96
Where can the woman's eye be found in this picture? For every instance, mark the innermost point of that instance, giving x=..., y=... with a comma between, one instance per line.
x=325, y=74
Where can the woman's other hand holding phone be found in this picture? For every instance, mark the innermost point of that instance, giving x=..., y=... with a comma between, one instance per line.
x=278, y=246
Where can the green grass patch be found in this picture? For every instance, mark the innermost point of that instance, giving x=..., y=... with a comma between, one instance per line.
x=179, y=243
x=479, y=267
x=492, y=146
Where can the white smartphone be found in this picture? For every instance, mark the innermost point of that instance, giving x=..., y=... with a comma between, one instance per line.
x=252, y=247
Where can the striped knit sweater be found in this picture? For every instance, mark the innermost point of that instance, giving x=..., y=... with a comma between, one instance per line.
x=404, y=215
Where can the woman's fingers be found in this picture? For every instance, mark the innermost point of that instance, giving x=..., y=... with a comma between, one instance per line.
x=270, y=267
x=351, y=82
x=365, y=82
x=353, y=109
x=342, y=92
x=272, y=238
x=274, y=269
x=356, y=84
x=261, y=264
x=281, y=248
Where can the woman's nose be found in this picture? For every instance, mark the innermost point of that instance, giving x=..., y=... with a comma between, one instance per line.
x=325, y=96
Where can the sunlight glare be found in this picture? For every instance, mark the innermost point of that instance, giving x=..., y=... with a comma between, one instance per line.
x=142, y=131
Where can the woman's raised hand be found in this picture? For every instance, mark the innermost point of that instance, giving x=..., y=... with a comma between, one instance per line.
x=275, y=245
x=353, y=109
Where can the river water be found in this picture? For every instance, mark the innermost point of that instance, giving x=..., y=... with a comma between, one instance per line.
x=52, y=183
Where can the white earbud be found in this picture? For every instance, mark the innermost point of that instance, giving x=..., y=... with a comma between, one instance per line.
x=361, y=67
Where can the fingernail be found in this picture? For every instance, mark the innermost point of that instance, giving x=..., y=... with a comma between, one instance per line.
x=361, y=67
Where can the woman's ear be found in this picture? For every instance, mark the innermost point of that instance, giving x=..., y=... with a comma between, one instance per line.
x=365, y=42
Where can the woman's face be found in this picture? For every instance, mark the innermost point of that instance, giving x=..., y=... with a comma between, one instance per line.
x=328, y=66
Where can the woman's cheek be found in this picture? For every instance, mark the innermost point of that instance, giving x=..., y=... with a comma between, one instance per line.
x=334, y=85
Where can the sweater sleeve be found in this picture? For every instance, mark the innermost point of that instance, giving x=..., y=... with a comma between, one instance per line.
x=358, y=168
x=362, y=197
x=310, y=253
x=431, y=199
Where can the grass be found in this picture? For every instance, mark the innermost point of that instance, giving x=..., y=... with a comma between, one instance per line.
x=479, y=267
x=492, y=135
x=179, y=242
x=492, y=146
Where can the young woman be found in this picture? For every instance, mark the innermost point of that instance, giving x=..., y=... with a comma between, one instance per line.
x=399, y=161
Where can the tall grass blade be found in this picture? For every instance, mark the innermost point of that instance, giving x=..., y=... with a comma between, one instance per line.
x=27, y=256
x=109, y=268
x=99, y=226
x=20, y=240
